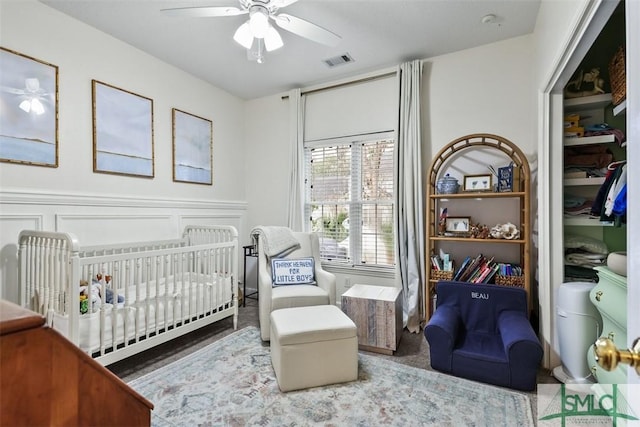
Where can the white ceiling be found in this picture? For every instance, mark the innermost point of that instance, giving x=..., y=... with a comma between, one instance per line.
x=376, y=33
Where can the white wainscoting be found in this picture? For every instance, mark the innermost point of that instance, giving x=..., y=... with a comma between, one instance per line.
x=97, y=220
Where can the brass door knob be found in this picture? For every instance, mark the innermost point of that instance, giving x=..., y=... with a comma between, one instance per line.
x=608, y=356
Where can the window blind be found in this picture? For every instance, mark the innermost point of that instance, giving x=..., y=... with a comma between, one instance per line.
x=350, y=201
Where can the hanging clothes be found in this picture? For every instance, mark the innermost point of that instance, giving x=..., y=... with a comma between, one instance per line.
x=616, y=186
x=613, y=171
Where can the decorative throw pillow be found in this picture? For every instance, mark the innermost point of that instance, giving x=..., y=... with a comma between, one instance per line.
x=300, y=271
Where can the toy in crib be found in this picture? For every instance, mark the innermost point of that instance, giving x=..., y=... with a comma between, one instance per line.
x=95, y=294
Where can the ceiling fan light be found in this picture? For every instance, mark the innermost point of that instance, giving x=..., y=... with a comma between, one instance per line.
x=259, y=22
x=244, y=36
x=272, y=39
x=25, y=105
x=36, y=106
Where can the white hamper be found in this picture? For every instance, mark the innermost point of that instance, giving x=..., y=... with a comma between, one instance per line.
x=313, y=346
x=579, y=325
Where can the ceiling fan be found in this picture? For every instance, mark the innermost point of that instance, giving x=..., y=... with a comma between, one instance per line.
x=32, y=96
x=257, y=34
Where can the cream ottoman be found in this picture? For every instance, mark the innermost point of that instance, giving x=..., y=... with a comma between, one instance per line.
x=313, y=346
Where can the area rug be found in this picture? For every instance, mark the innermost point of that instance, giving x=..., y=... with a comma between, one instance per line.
x=231, y=383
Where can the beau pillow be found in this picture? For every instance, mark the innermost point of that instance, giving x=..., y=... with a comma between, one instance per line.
x=297, y=271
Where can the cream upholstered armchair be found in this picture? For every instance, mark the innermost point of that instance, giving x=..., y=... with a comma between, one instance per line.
x=272, y=298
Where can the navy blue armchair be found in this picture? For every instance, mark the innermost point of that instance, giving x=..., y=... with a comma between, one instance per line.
x=482, y=332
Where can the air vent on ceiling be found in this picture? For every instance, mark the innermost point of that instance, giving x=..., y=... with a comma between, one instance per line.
x=345, y=58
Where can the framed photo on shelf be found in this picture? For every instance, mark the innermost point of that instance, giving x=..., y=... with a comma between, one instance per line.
x=457, y=225
x=122, y=131
x=478, y=182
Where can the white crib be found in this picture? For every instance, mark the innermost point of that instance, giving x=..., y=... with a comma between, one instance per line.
x=136, y=295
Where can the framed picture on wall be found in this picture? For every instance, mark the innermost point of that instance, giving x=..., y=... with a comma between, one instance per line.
x=122, y=131
x=192, y=148
x=29, y=110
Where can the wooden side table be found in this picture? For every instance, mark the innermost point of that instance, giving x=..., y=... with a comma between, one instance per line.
x=377, y=313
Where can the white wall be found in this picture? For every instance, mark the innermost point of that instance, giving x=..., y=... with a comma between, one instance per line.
x=553, y=31
x=102, y=208
x=488, y=89
x=267, y=160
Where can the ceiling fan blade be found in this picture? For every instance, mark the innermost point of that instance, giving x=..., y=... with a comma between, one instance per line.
x=12, y=90
x=306, y=29
x=204, y=11
x=282, y=3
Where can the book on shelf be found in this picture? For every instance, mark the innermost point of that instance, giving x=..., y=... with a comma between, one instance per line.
x=508, y=178
x=482, y=272
x=481, y=269
x=491, y=274
x=441, y=262
x=471, y=268
x=510, y=270
x=462, y=268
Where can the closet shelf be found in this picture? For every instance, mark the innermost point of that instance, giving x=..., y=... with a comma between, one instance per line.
x=588, y=222
x=587, y=102
x=588, y=140
x=575, y=182
x=620, y=108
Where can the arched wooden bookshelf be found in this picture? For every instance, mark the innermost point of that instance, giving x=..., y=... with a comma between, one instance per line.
x=441, y=163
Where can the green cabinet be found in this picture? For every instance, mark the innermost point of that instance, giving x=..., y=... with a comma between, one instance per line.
x=609, y=296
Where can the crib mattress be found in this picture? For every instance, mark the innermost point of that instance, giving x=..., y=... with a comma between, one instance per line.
x=149, y=308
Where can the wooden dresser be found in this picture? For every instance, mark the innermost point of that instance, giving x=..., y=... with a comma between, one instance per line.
x=46, y=380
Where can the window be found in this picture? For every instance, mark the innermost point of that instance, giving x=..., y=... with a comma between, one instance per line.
x=350, y=200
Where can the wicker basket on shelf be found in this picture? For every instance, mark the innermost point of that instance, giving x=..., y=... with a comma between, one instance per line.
x=617, y=77
x=517, y=281
x=441, y=275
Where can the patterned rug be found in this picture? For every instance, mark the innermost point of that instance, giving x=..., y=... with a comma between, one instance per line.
x=232, y=383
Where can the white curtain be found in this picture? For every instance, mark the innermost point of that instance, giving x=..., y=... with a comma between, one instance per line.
x=295, y=219
x=409, y=200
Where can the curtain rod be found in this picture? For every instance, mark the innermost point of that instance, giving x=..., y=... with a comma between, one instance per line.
x=362, y=80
